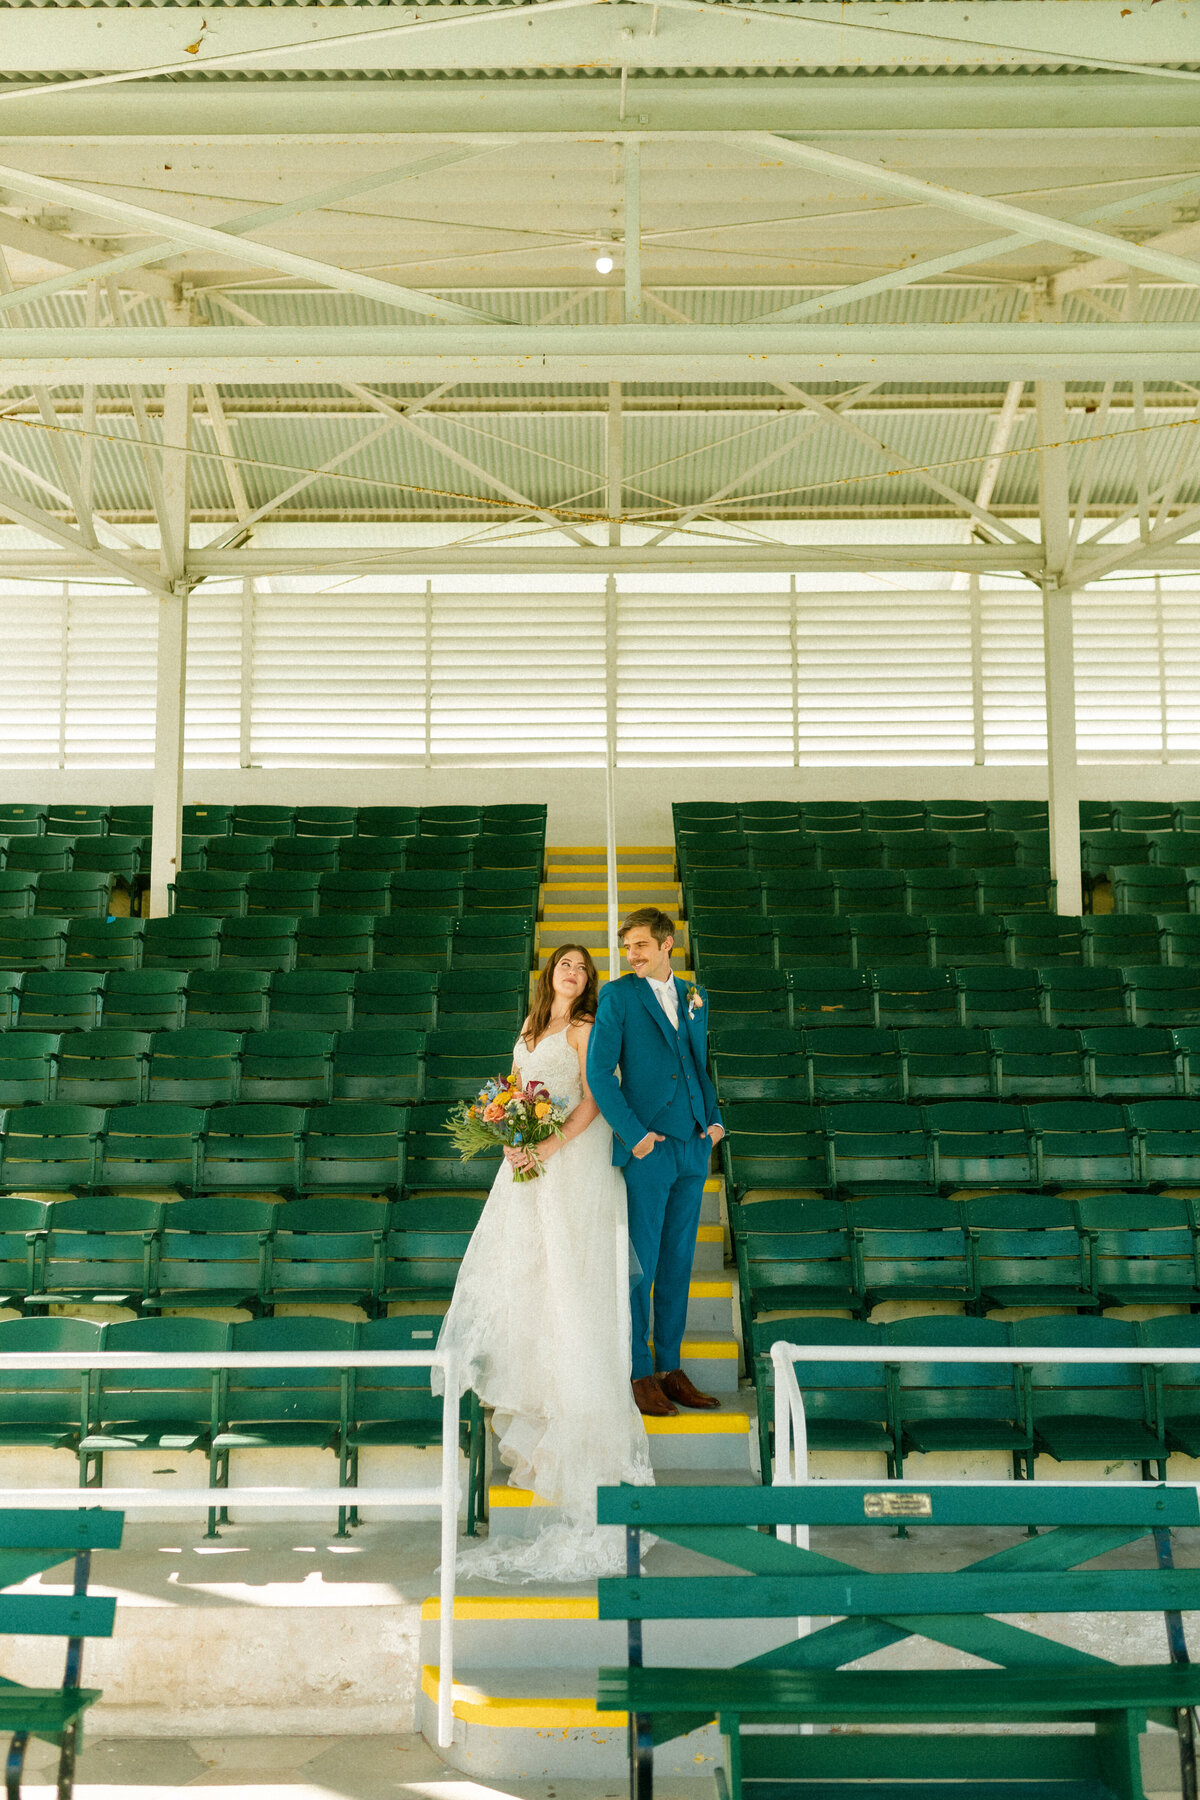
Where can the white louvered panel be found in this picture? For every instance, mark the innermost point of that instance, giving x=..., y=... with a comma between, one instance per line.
x=1118, y=674
x=32, y=624
x=338, y=679
x=884, y=678
x=516, y=676
x=1014, y=690
x=1181, y=659
x=704, y=677
x=112, y=640
x=212, y=721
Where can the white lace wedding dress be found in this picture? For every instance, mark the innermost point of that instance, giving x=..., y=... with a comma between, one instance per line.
x=540, y=1325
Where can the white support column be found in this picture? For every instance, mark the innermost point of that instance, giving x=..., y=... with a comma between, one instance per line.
x=614, y=462
x=168, y=746
x=1059, y=641
x=633, y=232
x=610, y=776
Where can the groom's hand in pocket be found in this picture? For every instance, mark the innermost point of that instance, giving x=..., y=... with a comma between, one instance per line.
x=714, y=1134
x=645, y=1145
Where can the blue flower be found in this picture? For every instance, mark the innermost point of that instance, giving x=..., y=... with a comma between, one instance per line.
x=516, y=1138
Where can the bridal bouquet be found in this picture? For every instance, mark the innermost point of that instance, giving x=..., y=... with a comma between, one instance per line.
x=503, y=1112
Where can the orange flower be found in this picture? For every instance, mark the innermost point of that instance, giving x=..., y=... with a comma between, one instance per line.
x=542, y=1109
x=493, y=1113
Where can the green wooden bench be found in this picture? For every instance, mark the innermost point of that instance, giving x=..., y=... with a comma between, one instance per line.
x=1038, y=1681
x=30, y=1543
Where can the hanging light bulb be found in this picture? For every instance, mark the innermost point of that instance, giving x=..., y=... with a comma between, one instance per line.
x=604, y=263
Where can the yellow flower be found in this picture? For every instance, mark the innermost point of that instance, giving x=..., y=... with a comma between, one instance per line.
x=542, y=1109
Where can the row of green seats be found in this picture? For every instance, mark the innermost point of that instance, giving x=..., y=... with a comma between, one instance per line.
x=1063, y=993
x=298, y=821
x=106, y=1066
x=343, y=1147
x=337, y=940
x=939, y=1062
x=786, y=906
x=240, y=894
x=156, y=1409
x=882, y=1145
x=955, y=815
x=701, y=857
x=241, y=999
x=150, y=1255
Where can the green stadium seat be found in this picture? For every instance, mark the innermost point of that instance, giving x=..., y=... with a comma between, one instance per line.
x=939, y=891
x=395, y=999
x=183, y=941
x=77, y=821
x=295, y=1067
x=193, y=853
x=103, y=1067
x=207, y=821
x=1175, y=849
x=339, y=941
x=916, y=850
x=1141, y=1249
x=279, y=890
x=46, y=1408
x=18, y=893
x=809, y=938
x=37, y=943
x=856, y=1062
x=945, y=1062
x=779, y=853
x=906, y=995
x=785, y=814
x=889, y=938
x=432, y=1161
x=99, y=1251
x=1176, y=1385
x=379, y=1065
x=1014, y=890
x=793, y=1255
x=239, y=855
x=51, y=1148
x=10, y=991
x=123, y=857
x=1102, y=851
x=1026, y=1251
x=228, y=999
x=386, y=856
x=493, y=890
x=1077, y=997
x=1036, y=1062
x=971, y=850
x=396, y=1407
x=869, y=891
x=910, y=1247
x=1090, y=1412
x=1168, y=1140
x=254, y=1147
x=1144, y=815
x=717, y=889
x=388, y=821
x=1179, y=935
x=27, y=1062
x=956, y=1407
x=414, y=940
x=822, y=997
x=957, y=941
x=214, y=1251
x=324, y=1257
x=130, y=821
x=264, y=821
x=797, y=890
x=1149, y=890
x=1033, y=850
x=353, y=1147
x=263, y=942
x=838, y=850
x=1040, y=940
x=899, y=815
x=1133, y=1062
x=957, y=815
x=1185, y=1041
x=194, y=1067
x=23, y=1225
x=169, y=1411
x=105, y=943
x=1018, y=815
x=995, y=996
x=1080, y=1143
x=426, y=890
x=722, y=938
x=1114, y=940
x=877, y=1146
x=61, y=999
x=695, y=852
x=1161, y=996
x=355, y=891
x=144, y=999
x=425, y=852
x=979, y=1143
x=425, y=1247
x=515, y=815
x=326, y=821
x=759, y=1064
x=483, y=997
x=451, y=820
x=831, y=815
x=38, y=856
x=459, y=1059
x=773, y=1147
x=847, y=1406
x=504, y=853
x=216, y=893
x=749, y=994
x=22, y=821
x=312, y=1000
x=494, y=940
x=151, y=1145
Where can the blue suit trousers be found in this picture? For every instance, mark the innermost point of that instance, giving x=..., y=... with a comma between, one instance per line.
x=665, y=1191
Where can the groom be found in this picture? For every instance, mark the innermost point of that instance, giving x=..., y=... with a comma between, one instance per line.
x=664, y=1118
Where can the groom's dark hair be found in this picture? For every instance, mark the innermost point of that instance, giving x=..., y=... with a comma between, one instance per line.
x=660, y=925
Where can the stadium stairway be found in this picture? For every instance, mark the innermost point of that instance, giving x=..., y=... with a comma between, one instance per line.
x=526, y=1657
x=575, y=897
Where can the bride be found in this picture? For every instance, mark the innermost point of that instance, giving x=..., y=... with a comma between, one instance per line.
x=539, y=1321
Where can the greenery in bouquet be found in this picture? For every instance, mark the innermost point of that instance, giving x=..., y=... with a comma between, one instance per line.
x=505, y=1113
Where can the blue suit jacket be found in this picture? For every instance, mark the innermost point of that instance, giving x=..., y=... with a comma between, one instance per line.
x=633, y=1032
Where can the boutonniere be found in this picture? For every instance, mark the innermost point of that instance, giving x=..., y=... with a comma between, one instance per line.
x=695, y=1001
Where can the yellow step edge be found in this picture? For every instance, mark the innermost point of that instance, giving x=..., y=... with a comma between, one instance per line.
x=710, y=1349
x=512, y=1497
x=714, y=1288
x=710, y=1234
x=504, y=1711
x=699, y=1424
x=499, y=1607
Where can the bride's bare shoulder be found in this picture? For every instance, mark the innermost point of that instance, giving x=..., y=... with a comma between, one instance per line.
x=579, y=1030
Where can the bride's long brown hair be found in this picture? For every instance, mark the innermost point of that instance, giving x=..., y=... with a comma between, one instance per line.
x=584, y=1007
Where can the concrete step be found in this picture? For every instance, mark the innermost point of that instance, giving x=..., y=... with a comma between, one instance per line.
x=563, y=1630
x=710, y=1303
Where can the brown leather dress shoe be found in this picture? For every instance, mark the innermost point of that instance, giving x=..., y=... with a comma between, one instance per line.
x=649, y=1398
x=677, y=1387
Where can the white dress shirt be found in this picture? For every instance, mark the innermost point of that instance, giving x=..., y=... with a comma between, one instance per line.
x=667, y=995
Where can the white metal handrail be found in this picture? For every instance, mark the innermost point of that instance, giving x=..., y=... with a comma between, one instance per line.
x=445, y=1495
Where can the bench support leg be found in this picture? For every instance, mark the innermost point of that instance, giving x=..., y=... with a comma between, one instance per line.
x=1119, y=1755
x=14, y=1765
x=66, y=1761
